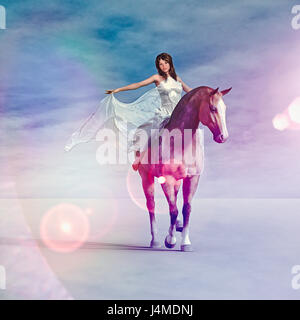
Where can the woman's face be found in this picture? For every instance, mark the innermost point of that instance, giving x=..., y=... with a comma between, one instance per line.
x=164, y=66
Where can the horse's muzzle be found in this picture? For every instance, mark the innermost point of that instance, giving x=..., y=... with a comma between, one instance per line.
x=220, y=138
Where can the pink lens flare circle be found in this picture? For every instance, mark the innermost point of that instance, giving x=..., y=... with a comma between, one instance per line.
x=102, y=216
x=64, y=228
x=136, y=193
x=135, y=189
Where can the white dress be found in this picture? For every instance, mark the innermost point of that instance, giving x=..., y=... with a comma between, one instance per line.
x=170, y=92
x=150, y=111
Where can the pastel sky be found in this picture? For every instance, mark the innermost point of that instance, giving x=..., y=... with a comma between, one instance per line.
x=58, y=57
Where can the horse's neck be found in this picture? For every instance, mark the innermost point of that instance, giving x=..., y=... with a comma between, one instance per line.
x=186, y=113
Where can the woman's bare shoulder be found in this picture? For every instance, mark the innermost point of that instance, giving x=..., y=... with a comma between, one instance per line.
x=179, y=79
x=157, y=78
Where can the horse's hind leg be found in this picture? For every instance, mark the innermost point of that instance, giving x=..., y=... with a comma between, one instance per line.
x=189, y=188
x=148, y=187
x=179, y=225
x=170, y=188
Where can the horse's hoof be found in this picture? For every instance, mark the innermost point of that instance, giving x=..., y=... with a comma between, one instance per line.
x=179, y=226
x=169, y=245
x=186, y=247
x=155, y=244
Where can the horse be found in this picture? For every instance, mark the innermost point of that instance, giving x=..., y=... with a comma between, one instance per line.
x=202, y=104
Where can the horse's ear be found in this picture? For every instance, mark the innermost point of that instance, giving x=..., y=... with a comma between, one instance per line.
x=214, y=91
x=225, y=91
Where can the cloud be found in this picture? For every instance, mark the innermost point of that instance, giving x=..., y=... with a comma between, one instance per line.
x=56, y=61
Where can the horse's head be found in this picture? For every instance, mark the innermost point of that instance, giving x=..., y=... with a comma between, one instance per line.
x=212, y=114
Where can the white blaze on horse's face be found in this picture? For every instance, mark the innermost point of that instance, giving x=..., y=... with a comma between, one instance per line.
x=218, y=113
x=215, y=118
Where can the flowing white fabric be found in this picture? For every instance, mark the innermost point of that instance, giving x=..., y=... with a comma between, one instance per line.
x=150, y=111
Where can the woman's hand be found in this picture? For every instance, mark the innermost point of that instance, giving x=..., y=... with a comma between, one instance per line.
x=111, y=91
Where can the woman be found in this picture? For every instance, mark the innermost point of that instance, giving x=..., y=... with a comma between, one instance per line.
x=169, y=85
x=150, y=111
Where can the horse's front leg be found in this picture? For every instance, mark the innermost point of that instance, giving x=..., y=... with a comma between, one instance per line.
x=189, y=188
x=170, y=188
x=148, y=187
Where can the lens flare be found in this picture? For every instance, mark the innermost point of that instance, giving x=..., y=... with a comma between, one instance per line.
x=89, y=211
x=280, y=122
x=294, y=110
x=161, y=179
x=103, y=214
x=64, y=228
x=136, y=193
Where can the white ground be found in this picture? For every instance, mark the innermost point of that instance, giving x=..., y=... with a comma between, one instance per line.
x=243, y=249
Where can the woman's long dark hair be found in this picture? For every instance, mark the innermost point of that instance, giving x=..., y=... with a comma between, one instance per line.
x=165, y=56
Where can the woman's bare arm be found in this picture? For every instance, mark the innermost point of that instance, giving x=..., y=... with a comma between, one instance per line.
x=136, y=85
x=185, y=87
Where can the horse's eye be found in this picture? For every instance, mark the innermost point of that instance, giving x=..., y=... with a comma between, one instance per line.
x=213, y=108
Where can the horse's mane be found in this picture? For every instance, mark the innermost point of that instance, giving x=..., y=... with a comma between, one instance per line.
x=202, y=90
x=186, y=101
